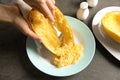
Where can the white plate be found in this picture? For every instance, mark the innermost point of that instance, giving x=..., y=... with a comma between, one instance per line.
x=110, y=45
x=41, y=59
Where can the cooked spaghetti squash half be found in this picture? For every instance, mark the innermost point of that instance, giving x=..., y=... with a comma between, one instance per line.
x=111, y=25
x=65, y=51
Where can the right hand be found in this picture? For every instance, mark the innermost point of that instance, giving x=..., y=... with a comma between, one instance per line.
x=44, y=6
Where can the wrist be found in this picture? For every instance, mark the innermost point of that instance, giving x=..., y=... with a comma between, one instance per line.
x=4, y=15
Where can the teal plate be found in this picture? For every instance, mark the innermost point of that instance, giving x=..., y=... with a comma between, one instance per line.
x=82, y=35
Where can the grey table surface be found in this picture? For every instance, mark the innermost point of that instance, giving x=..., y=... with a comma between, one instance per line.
x=15, y=65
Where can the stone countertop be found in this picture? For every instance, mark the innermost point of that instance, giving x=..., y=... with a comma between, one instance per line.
x=15, y=65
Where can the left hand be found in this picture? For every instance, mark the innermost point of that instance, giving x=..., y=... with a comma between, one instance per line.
x=12, y=15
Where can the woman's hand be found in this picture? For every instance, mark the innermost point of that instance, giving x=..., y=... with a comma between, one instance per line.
x=12, y=15
x=44, y=6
